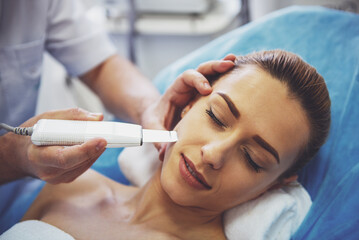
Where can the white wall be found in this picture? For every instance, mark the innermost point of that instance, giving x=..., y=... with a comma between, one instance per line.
x=154, y=51
x=156, y=47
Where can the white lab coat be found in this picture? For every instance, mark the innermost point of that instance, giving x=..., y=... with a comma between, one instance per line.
x=27, y=29
x=30, y=27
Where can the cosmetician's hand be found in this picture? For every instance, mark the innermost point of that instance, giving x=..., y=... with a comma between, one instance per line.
x=53, y=164
x=165, y=113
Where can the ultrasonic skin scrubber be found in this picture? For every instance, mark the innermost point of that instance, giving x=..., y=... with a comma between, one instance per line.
x=117, y=134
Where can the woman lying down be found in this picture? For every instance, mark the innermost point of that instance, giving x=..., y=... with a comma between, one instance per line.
x=263, y=121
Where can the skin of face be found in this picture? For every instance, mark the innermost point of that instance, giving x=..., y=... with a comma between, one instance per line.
x=218, y=152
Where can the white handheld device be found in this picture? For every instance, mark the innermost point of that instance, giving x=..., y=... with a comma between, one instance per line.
x=117, y=134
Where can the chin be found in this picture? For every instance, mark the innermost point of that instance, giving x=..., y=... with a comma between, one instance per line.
x=175, y=191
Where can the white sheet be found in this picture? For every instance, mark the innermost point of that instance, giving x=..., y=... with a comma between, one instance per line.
x=34, y=230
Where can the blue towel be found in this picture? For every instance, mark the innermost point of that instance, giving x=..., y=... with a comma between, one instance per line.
x=16, y=197
x=329, y=41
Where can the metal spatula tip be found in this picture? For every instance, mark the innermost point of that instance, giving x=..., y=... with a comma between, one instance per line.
x=159, y=136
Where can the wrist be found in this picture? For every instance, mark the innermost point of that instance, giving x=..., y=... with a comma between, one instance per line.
x=12, y=156
x=151, y=108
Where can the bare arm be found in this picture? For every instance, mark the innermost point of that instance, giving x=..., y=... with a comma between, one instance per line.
x=131, y=96
x=122, y=88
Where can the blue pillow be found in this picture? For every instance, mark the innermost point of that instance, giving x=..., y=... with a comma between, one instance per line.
x=329, y=41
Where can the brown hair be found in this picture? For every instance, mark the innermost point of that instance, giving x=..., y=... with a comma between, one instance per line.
x=305, y=85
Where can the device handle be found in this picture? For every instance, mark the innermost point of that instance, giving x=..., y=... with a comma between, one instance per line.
x=70, y=132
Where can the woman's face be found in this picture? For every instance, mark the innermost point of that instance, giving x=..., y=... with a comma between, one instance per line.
x=235, y=143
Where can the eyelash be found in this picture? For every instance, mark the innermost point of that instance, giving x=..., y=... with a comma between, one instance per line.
x=214, y=118
x=254, y=165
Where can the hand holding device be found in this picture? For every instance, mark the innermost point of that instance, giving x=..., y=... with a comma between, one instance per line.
x=19, y=157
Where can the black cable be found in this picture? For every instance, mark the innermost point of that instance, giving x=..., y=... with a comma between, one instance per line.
x=24, y=131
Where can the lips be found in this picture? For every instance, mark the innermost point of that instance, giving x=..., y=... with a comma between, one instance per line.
x=191, y=175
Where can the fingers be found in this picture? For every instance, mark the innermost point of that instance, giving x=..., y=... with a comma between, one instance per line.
x=73, y=114
x=75, y=155
x=218, y=66
x=67, y=114
x=68, y=157
x=74, y=173
x=185, y=86
x=211, y=68
x=230, y=57
x=49, y=163
x=64, y=164
x=182, y=91
x=191, y=79
x=157, y=146
x=215, y=67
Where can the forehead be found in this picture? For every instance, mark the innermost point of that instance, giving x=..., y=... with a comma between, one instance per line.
x=266, y=108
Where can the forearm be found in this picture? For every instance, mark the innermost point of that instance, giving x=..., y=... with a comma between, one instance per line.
x=122, y=88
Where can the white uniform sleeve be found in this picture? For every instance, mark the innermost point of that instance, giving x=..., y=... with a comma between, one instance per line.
x=73, y=39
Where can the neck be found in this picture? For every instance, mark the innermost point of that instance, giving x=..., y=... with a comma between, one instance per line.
x=156, y=209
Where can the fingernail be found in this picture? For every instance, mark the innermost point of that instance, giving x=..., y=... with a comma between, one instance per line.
x=100, y=146
x=206, y=85
x=95, y=115
x=227, y=62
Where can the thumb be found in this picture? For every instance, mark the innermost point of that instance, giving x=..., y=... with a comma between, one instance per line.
x=73, y=114
x=158, y=146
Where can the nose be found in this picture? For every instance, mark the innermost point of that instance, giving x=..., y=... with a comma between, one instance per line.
x=215, y=153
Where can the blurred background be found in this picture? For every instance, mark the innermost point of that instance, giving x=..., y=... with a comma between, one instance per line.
x=155, y=33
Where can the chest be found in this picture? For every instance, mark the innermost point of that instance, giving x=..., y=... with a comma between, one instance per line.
x=102, y=220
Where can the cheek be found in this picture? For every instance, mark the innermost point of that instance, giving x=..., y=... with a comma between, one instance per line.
x=168, y=159
x=168, y=176
x=194, y=126
x=168, y=150
x=237, y=185
x=171, y=181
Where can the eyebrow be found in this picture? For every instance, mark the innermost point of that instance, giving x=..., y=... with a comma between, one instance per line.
x=230, y=104
x=266, y=146
x=256, y=138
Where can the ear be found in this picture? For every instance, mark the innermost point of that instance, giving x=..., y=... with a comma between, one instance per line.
x=282, y=182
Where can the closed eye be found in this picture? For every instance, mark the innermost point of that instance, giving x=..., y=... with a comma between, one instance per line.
x=252, y=163
x=214, y=118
